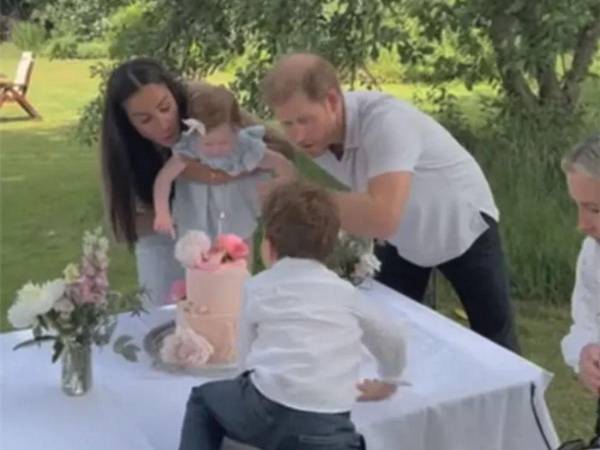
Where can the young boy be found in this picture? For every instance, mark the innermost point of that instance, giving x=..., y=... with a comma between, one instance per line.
x=300, y=342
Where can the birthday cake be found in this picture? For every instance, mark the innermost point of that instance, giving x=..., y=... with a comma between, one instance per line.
x=208, y=303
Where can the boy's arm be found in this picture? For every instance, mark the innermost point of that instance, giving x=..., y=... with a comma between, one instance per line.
x=162, y=188
x=384, y=337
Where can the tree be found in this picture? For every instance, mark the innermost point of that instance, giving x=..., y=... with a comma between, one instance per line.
x=514, y=44
x=540, y=50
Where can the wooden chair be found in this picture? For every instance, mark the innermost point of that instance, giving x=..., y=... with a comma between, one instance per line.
x=16, y=91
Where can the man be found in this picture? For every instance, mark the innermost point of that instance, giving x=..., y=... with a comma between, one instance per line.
x=412, y=185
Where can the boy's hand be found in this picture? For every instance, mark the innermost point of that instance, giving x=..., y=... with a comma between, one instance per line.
x=164, y=224
x=373, y=390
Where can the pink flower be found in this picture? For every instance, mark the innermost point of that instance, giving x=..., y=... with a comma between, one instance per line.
x=235, y=246
x=186, y=349
x=177, y=291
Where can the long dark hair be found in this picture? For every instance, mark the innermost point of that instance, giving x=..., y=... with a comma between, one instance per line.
x=130, y=162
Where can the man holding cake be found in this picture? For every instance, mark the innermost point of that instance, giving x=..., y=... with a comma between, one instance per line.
x=301, y=330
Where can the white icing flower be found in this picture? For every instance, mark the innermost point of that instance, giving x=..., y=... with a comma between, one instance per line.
x=33, y=300
x=186, y=349
x=191, y=247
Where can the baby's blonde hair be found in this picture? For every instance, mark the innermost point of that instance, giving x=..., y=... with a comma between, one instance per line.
x=585, y=157
x=215, y=106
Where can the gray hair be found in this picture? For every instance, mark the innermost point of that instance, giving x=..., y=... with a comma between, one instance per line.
x=585, y=157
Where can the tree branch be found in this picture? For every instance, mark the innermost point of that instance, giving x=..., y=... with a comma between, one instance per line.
x=502, y=32
x=587, y=44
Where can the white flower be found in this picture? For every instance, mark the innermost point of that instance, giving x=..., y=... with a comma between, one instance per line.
x=189, y=248
x=367, y=265
x=33, y=300
x=71, y=273
x=64, y=306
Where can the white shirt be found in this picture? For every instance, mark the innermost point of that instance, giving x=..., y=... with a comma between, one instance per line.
x=585, y=304
x=448, y=189
x=301, y=331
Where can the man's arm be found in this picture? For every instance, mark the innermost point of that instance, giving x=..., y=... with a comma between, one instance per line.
x=376, y=213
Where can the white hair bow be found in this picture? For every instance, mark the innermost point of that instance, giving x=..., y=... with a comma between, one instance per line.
x=194, y=125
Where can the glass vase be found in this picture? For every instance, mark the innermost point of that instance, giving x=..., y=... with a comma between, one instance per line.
x=76, y=368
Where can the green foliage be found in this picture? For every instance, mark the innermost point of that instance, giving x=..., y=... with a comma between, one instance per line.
x=81, y=18
x=69, y=46
x=537, y=53
x=63, y=47
x=28, y=36
x=133, y=28
x=520, y=155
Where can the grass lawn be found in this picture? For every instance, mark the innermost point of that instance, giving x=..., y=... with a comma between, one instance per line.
x=50, y=193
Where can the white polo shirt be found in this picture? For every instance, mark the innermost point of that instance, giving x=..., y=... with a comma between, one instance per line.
x=585, y=304
x=301, y=332
x=448, y=189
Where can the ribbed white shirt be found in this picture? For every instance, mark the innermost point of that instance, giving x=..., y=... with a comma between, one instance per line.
x=301, y=332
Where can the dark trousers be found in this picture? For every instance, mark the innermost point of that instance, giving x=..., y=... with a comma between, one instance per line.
x=478, y=276
x=236, y=409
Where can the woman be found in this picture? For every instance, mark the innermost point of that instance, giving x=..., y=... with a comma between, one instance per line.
x=581, y=347
x=144, y=106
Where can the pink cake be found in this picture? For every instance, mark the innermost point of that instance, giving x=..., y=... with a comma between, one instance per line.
x=212, y=307
x=206, y=330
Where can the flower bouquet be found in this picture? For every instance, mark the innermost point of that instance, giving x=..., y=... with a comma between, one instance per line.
x=353, y=258
x=186, y=348
x=76, y=311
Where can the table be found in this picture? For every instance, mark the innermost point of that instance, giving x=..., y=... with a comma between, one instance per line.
x=465, y=393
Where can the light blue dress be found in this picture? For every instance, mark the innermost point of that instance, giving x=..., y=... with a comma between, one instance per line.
x=230, y=207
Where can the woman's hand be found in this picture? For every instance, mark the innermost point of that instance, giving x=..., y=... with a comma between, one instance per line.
x=374, y=390
x=283, y=170
x=589, y=367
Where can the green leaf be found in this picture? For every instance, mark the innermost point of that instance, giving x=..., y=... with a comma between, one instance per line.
x=37, y=340
x=121, y=342
x=58, y=348
x=129, y=352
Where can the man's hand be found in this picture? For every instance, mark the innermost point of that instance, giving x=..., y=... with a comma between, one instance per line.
x=373, y=390
x=589, y=367
x=283, y=171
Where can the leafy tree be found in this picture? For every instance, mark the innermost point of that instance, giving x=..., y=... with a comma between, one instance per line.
x=536, y=52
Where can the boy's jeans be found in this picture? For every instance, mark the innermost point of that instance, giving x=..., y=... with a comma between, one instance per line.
x=236, y=409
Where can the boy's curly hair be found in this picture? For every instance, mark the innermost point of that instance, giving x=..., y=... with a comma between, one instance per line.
x=301, y=220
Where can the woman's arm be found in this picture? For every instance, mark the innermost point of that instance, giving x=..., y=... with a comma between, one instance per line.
x=198, y=172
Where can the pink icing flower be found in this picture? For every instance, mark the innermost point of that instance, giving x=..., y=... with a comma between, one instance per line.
x=177, y=291
x=186, y=349
x=235, y=246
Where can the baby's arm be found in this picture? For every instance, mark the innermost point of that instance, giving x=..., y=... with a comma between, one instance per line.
x=163, y=222
x=385, y=340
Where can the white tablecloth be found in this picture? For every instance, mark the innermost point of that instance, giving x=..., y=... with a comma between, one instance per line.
x=465, y=393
